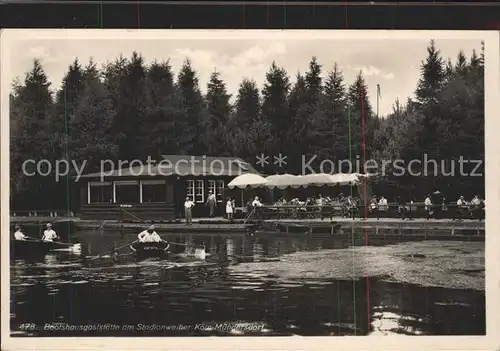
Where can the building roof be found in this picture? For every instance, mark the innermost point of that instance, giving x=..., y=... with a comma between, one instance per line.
x=180, y=165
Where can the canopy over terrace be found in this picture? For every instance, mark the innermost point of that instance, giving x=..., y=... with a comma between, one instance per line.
x=283, y=181
x=247, y=180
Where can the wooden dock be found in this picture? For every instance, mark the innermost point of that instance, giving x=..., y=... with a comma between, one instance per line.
x=388, y=227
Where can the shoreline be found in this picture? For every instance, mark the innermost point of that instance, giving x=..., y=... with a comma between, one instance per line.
x=383, y=227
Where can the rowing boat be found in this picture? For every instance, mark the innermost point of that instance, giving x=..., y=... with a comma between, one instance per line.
x=150, y=249
x=34, y=247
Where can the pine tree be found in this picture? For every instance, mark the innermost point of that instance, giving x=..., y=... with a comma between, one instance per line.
x=252, y=132
x=219, y=113
x=475, y=61
x=449, y=70
x=160, y=80
x=313, y=82
x=427, y=93
x=66, y=99
x=275, y=105
x=332, y=126
x=299, y=128
x=195, y=111
x=247, y=104
x=433, y=73
x=33, y=139
x=126, y=83
x=461, y=64
x=93, y=118
x=361, y=117
x=161, y=123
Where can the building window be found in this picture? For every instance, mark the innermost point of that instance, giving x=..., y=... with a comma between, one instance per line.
x=220, y=190
x=190, y=189
x=153, y=191
x=212, y=188
x=126, y=192
x=217, y=187
x=199, y=191
x=100, y=193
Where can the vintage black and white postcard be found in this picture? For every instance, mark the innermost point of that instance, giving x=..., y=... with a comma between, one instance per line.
x=242, y=189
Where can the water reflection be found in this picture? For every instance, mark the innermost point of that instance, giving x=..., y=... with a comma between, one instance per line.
x=280, y=285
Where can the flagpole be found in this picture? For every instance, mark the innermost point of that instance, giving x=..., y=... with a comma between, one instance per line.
x=378, y=95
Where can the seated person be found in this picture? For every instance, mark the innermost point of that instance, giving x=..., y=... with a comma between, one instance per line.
x=462, y=206
x=256, y=202
x=18, y=234
x=382, y=204
x=476, y=205
x=49, y=234
x=149, y=235
x=373, y=204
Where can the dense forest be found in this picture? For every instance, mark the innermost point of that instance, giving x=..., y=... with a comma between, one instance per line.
x=129, y=110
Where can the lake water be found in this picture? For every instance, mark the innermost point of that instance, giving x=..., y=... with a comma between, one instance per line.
x=274, y=285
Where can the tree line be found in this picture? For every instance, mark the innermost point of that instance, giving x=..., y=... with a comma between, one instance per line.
x=130, y=110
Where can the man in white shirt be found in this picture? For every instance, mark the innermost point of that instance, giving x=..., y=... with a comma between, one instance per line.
x=211, y=203
x=382, y=204
x=256, y=202
x=461, y=202
x=476, y=201
x=188, y=205
x=149, y=235
x=18, y=234
x=49, y=234
x=462, y=207
x=428, y=206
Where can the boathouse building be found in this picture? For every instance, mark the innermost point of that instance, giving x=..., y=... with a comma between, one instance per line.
x=158, y=191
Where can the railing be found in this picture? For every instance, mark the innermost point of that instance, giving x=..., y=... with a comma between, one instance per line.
x=42, y=213
x=391, y=210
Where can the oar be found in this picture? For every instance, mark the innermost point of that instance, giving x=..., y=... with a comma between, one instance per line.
x=41, y=241
x=114, y=249
x=180, y=244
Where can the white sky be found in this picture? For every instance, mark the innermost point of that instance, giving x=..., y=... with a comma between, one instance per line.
x=392, y=63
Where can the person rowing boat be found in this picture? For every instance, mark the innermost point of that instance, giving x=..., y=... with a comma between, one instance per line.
x=49, y=234
x=18, y=234
x=149, y=236
x=149, y=244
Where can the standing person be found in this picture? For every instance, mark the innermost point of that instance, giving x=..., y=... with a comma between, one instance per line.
x=373, y=204
x=462, y=207
x=18, y=234
x=49, y=234
x=211, y=203
x=255, y=205
x=477, y=207
x=188, y=205
x=229, y=209
x=320, y=202
x=401, y=207
x=428, y=206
